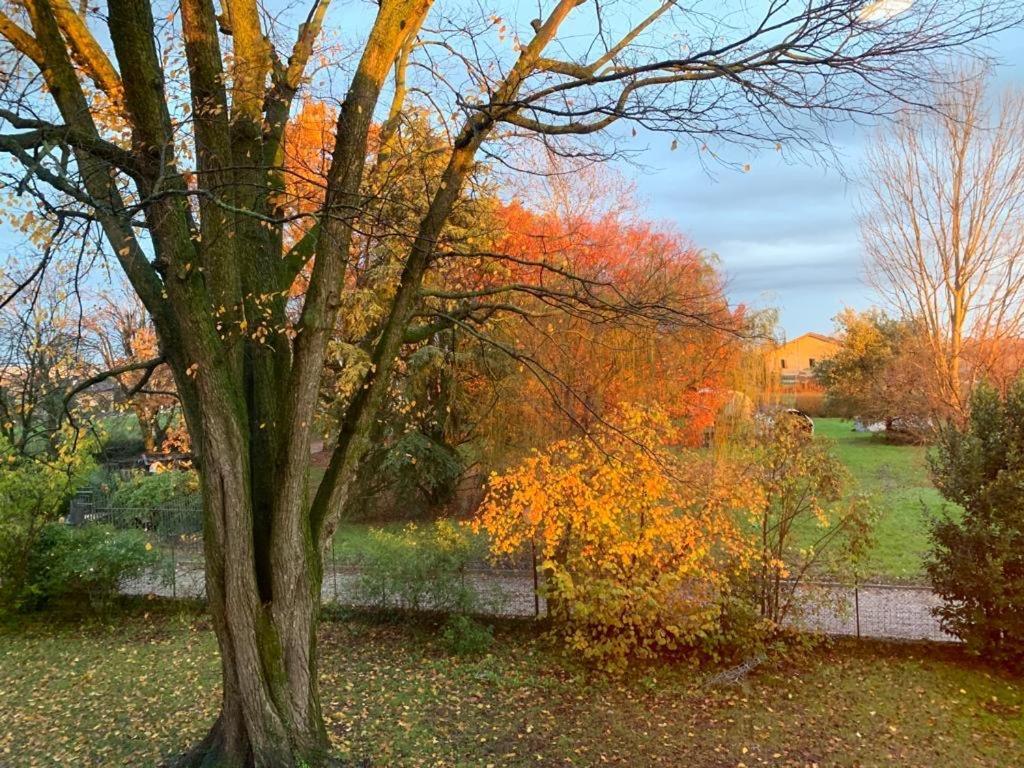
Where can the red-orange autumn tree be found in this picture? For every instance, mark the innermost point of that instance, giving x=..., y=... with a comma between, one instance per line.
x=582, y=365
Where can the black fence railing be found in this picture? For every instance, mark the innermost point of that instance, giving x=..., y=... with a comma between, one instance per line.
x=182, y=516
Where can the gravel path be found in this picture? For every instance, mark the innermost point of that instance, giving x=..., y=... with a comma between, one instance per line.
x=892, y=612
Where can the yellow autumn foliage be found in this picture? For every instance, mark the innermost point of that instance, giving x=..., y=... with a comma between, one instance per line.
x=637, y=541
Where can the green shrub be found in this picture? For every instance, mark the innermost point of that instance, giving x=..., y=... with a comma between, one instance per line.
x=146, y=491
x=463, y=636
x=977, y=562
x=741, y=632
x=416, y=466
x=411, y=478
x=34, y=491
x=86, y=563
x=418, y=569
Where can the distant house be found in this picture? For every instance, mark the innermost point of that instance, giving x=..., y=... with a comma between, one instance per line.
x=792, y=364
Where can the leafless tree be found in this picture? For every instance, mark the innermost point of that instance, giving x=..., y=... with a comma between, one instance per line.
x=184, y=176
x=41, y=356
x=943, y=229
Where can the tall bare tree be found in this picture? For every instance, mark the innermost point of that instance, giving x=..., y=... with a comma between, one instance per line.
x=190, y=198
x=41, y=356
x=944, y=231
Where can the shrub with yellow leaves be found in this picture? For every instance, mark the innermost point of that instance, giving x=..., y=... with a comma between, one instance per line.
x=801, y=515
x=638, y=542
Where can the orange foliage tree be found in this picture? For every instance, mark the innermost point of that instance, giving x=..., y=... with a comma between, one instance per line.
x=123, y=335
x=585, y=363
x=638, y=543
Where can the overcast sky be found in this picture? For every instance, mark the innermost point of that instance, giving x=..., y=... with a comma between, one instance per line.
x=786, y=234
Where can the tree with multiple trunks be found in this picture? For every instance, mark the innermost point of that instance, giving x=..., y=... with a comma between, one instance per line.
x=181, y=169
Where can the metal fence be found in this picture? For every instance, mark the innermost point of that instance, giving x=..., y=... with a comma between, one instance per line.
x=885, y=611
x=178, y=520
x=175, y=528
x=509, y=587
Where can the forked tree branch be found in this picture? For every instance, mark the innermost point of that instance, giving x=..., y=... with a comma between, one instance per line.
x=142, y=365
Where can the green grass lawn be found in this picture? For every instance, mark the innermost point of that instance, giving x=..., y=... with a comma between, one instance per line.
x=352, y=539
x=142, y=687
x=894, y=476
x=896, y=479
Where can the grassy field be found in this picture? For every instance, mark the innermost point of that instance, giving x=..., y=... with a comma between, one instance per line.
x=896, y=478
x=140, y=688
x=351, y=539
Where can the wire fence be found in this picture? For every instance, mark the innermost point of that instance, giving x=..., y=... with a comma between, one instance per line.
x=175, y=528
x=884, y=611
x=510, y=587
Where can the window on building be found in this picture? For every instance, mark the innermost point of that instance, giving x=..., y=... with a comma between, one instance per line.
x=783, y=361
x=811, y=362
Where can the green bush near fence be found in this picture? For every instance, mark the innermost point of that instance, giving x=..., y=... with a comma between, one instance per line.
x=144, y=490
x=165, y=504
x=464, y=636
x=418, y=568
x=34, y=491
x=977, y=558
x=89, y=563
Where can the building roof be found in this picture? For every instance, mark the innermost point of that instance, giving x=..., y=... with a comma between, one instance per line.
x=813, y=335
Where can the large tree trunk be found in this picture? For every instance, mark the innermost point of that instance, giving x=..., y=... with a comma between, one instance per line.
x=270, y=715
x=264, y=596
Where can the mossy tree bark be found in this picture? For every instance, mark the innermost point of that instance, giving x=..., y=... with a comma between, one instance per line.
x=210, y=281
x=218, y=274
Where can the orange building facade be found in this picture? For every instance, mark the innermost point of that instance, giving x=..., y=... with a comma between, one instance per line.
x=791, y=365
